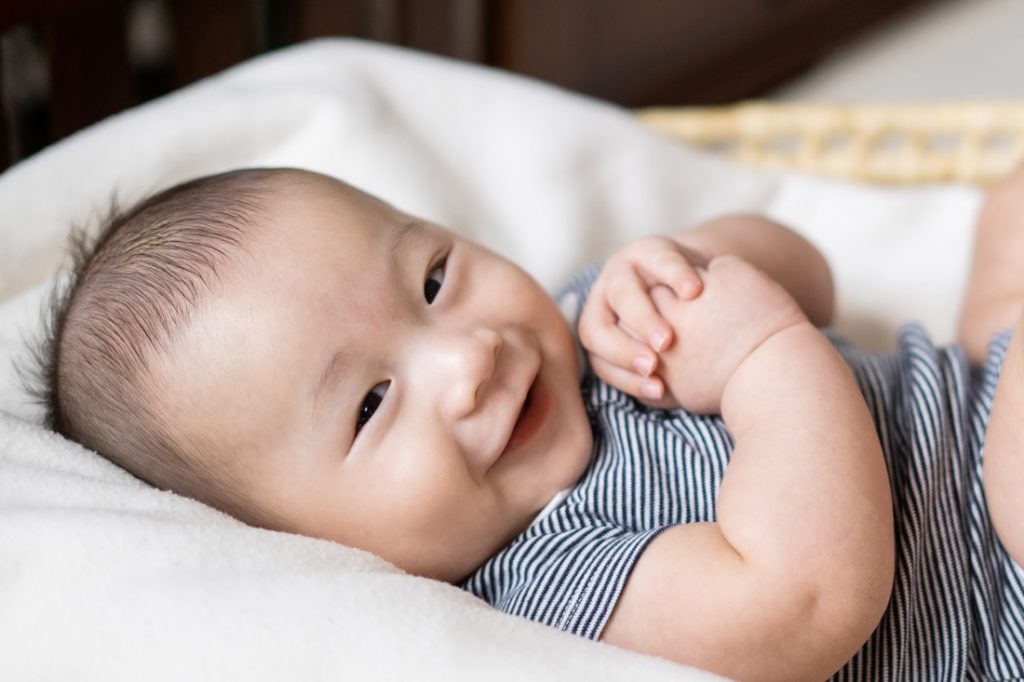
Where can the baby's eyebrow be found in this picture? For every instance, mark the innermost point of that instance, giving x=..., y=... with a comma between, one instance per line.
x=406, y=234
x=402, y=232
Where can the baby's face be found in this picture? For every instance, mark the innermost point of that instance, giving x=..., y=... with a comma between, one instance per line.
x=383, y=382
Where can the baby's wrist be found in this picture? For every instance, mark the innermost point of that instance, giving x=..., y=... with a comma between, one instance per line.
x=745, y=382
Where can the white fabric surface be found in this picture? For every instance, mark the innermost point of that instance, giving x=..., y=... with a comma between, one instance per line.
x=105, y=578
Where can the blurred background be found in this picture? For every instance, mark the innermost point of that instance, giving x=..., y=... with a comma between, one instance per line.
x=67, y=63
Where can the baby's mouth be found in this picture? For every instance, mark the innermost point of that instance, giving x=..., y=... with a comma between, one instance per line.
x=532, y=415
x=526, y=406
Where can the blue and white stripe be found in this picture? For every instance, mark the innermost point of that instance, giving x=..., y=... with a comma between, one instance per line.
x=957, y=609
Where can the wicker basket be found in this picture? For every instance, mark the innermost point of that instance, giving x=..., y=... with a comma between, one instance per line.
x=971, y=142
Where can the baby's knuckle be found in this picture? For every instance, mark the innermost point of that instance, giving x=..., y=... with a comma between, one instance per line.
x=586, y=334
x=668, y=261
x=614, y=298
x=653, y=243
x=620, y=280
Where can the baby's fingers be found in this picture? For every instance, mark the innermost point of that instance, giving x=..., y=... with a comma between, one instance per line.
x=603, y=337
x=647, y=388
x=632, y=306
x=675, y=269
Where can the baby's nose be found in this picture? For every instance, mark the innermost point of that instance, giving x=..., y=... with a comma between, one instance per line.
x=464, y=365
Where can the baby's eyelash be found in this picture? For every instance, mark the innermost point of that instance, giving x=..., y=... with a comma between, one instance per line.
x=432, y=287
x=370, y=404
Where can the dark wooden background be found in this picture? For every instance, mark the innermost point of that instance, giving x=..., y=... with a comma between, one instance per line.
x=633, y=52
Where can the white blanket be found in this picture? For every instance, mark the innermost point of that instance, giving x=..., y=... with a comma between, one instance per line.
x=104, y=578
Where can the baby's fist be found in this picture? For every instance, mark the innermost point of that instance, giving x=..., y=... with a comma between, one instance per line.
x=739, y=308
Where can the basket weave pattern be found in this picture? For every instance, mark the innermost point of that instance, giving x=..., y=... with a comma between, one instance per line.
x=971, y=142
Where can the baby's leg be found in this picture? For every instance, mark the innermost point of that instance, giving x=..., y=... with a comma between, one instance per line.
x=995, y=290
x=995, y=301
x=1003, y=468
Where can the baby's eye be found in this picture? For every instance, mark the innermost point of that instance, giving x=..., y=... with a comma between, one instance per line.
x=370, y=404
x=435, y=278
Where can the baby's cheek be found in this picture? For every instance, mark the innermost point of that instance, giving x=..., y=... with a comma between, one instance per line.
x=424, y=490
x=440, y=523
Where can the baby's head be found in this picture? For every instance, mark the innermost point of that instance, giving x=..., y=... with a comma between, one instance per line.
x=307, y=358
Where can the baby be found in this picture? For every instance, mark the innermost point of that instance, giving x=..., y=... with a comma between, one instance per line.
x=714, y=480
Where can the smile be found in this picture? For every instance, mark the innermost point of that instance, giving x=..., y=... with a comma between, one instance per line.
x=532, y=416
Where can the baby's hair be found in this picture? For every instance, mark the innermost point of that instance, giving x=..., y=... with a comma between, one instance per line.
x=132, y=288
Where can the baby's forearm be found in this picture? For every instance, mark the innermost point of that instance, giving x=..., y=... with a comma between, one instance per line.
x=806, y=493
x=784, y=255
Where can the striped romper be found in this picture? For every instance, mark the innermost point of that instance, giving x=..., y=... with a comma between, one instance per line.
x=957, y=608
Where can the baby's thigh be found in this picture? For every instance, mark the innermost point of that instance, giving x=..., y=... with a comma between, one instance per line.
x=1003, y=453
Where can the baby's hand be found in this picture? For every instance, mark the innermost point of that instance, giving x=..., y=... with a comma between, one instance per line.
x=620, y=325
x=739, y=308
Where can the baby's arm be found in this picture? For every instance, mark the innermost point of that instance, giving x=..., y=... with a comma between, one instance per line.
x=797, y=570
x=995, y=300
